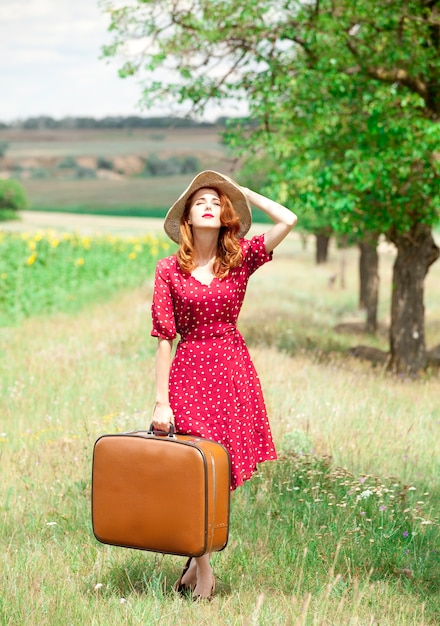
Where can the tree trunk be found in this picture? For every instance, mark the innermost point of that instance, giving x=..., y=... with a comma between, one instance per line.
x=322, y=241
x=343, y=260
x=416, y=251
x=369, y=280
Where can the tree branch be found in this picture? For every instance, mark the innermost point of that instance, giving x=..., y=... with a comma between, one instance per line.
x=401, y=76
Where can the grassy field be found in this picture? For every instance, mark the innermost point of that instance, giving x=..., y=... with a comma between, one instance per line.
x=47, y=272
x=115, y=195
x=142, y=196
x=342, y=530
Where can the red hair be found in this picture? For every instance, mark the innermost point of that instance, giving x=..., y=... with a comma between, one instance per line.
x=228, y=253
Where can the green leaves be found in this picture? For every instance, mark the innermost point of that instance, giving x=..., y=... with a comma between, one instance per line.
x=344, y=97
x=12, y=199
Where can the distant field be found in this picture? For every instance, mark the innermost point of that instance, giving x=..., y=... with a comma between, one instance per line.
x=128, y=196
x=133, y=196
x=204, y=142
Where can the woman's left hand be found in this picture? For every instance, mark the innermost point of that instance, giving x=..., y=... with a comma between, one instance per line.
x=163, y=417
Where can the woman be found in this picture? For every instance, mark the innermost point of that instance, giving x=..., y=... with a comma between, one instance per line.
x=211, y=388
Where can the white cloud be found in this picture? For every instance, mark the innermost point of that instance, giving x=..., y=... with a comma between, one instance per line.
x=50, y=63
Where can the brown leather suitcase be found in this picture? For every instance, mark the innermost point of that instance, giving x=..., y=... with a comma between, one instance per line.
x=168, y=494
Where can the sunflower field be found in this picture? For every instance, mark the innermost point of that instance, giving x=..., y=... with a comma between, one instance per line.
x=48, y=271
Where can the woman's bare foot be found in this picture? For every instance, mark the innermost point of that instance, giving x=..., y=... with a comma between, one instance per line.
x=205, y=579
x=189, y=579
x=204, y=588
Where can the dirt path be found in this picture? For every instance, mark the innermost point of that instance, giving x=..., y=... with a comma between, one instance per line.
x=91, y=224
x=40, y=220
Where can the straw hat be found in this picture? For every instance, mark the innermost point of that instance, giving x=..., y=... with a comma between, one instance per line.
x=223, y=183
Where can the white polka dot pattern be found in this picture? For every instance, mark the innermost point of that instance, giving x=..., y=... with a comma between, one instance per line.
x=214, y=389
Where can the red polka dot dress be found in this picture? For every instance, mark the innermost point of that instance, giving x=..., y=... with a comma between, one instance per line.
x=214, y=389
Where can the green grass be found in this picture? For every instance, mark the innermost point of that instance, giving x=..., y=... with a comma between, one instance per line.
x=53, y=272
x=121, y=211
x=335, y=532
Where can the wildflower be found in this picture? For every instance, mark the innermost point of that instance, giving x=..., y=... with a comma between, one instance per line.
x=51, y=524
x=109, y=417
x=31, y=259
x=132, y=255
x=366, y=494
x=123, y=601
x=382, y=508
x=405, y=533
x=98, y=586
x=4, y=275
x=79, y=262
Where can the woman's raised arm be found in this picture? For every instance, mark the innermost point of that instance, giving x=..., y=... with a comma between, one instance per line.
x=283, y=217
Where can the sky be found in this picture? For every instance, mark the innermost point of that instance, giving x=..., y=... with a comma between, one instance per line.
x=50, y=64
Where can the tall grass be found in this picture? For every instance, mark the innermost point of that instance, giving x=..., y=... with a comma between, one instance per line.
x=342, y=530
x=48, y=272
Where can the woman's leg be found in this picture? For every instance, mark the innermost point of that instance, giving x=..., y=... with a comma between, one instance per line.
x=199, y=577
x=205, y=578
x=189, y=579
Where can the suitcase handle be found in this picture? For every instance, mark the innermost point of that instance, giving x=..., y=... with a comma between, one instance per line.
x=162, y=433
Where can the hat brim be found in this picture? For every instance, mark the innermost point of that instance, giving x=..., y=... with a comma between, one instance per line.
x=209, y=178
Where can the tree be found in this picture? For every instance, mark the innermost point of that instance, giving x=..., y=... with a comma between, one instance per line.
x=12, y=199
x=360, y=162
x=304, y=65
x=379, y=177
x=369, y=280
x=261, y=171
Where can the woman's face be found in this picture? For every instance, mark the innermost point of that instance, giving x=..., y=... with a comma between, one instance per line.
x=205, y=209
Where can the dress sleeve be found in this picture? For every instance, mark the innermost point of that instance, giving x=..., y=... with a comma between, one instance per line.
x=162, y=308
x=254, y=253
